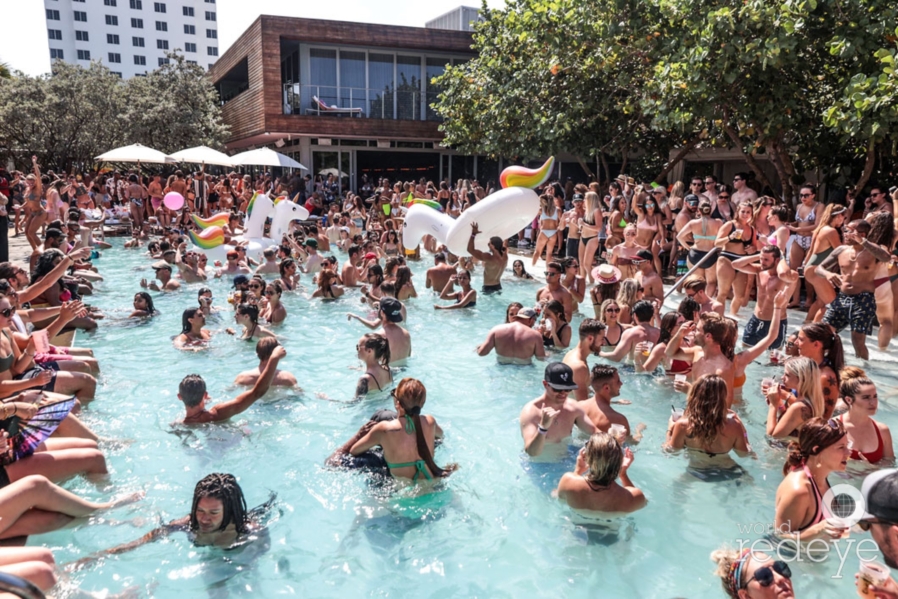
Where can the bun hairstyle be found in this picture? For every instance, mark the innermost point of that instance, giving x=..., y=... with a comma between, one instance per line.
x=410, y=394
x=728, y=561
x=381, y=347
x=850, y=387
x=814, y=436
x=249, y=310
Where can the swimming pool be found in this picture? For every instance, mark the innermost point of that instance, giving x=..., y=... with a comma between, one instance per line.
x=494, y=532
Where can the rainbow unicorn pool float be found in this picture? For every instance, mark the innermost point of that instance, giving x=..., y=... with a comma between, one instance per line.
x=211, y=240
x=501, y=214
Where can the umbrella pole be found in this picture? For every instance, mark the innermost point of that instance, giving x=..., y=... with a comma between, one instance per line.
x=676, y=285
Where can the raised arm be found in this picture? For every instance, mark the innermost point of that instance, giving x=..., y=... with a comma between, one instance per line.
x=33, y=291
x=471, y=250
x=247, y=398
x=749, y=264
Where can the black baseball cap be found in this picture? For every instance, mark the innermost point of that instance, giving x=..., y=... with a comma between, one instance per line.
x=691, y=199
x=392, y=307
x=241, y=280
x=880, y=493
x=560, y=376
x=577, y=198
x=645, y=255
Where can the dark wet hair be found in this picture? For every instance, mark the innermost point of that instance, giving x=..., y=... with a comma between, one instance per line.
x=668, y=324
x=151, y=310
x=45, y=264
x=558, y=308
x=223, y=487
x=590, y=326
x=250, y=310
x=380, y=345
x=185, y=319
x=814, y=436
x=403, y=276
x=192, y=390
x=284, y=265
x=833, y=354
x=643, y=310
x=689, y=308
x=376, y=270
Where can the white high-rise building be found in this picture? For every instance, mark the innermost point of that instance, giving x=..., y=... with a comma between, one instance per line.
x=132, y=36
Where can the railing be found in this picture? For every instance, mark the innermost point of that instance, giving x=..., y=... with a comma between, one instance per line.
x=359, y=102
x=19, y=587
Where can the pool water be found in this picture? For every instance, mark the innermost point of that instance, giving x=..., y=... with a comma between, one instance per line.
x=494, y=531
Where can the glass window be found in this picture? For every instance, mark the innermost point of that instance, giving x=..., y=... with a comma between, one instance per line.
x=115, y=57
x=189, y=47
x=210, y=15
x=163, y=61
x=352, y=80
x=212, y=34
x=212, y=51
x=161, y=26
x=110, y=20
x=137, y=4
x=162, y=44
x=52, y=15
x=435, y=67
x=137, y=23
x=159, y=6
x=138, y=42
x=408, y=87
x=109, y=2
x=323, y=79
x=81, y=16
x=54, y=34
x=380, y=82
x=83, y=54
x=140, y=60
x=190, y=29
x=188, y=11
x=82, y=36
x=111, y=38
x=56, y=53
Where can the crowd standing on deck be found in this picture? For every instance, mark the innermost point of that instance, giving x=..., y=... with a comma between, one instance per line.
x=605, y=244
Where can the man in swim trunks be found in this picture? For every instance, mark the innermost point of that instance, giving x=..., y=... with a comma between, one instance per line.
x=389, y=314
x=550, y=418
x=855, y=304
x=515, y=342
x=647, y=277
x=264, y=348
x=695, y=287
x=592, y=338
x=438, y=274
x=774, y=275
x=163, y=275
x=570, y=220
x=641, y=331
x=312, y=260
x=192, y=391
x=555, y=291
x=494, y=261
x=350, y=273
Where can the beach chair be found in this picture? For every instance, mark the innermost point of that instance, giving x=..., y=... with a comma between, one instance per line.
x=321, y=108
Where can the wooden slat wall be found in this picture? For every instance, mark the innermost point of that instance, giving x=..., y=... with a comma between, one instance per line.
x=245, y=114
x=354, y=127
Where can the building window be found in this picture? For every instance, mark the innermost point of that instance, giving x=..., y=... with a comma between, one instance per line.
x=163, y=61
x=212, y=51
x=110, y=20
x=83, y=54
x=188, y=47
x=159, y=6
x=190, y=29
x=140, y=60
x=52, y=15
x=117, y=74
x=109, y=2
x=137, y=4
x=56, y=53
x=191, y=62
x=210, y=16
x=212, y=34
x=82, y=36
x=210, y=1
x=162, y=44
x=112, y=38
x=137, y=42
x=137, y=23
x=188, y=11
x=81, y=16
x=78, y=1
x=54, y=34
x=115, y=57
x=161, y=26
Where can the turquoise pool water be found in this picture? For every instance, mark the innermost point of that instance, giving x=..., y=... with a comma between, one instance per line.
x=494, y=532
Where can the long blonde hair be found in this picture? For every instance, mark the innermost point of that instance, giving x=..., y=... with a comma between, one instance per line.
x=706, y=408
x=592, y=204
x=627, y=293
x=809, y=384
x=604, y=457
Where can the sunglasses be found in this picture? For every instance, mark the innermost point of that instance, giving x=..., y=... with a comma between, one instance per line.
x=271, y=292
x=691, y=294
x=612, y=310
x=722, y=197
x=552, y=274
x=556, y=390
x=255, y=286
x=764, y=575
x=865, y=525
x=7, y=313
x=805, y=195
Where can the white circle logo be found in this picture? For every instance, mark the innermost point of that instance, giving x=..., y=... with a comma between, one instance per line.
x=845, y=502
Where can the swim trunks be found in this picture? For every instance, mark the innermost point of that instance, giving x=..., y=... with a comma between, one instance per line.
x=858, y=310
x=33, y=372
x=757, y=329
x=491, y=288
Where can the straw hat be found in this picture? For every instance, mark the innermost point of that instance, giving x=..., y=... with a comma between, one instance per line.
x=606, y=273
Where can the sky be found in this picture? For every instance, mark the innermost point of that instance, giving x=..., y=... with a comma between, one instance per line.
x=24, y=47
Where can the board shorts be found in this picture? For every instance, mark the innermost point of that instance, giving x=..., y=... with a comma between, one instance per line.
x=857, y=310
x=757, y=329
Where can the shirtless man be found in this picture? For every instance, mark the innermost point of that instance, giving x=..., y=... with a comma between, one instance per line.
x=312, y=262
x=694, y=287
x=550, y=418
x=438, y=274
x=647, y=277
x=697, y=187
x=233, y=267
x=743, y=192
x=494, y=261
x=606, y=385
x=264, y=348
x=192, y=391
x=389, y=314
x=189, y=266
x=641, y=331
x=774, y=275
x=350, y=273
x=592, y=338
x=163, y=275
x=570, y=219
x=270, y=265
x=515, y=342
x=555, y=291
x=855, y=304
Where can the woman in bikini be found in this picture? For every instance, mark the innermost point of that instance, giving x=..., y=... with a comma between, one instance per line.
x=35, y=214
x=274, y=311
x=328, y=288
x=778, y=224
x=796, y=400
x=289, y=274
x=549, y=217
x=590, y=225
x=826, y=238
x=374, y=350
x=821, y=449
x=617, y=222
x=466, y=297
x=572, y=281
x=628, y=294
x=622, y=255
x=703, y=231
x=818, y=342
x=736, y=239
x=868, y=439
x=554, y=328
x=649, y=225
x=593, y=486
x=609, y=316
x=670, y=322
x=247, y=316
x=803, y=230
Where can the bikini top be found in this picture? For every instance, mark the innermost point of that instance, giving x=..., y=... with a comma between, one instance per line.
x=704, y=234
x=871, y=456
x=818, y=501
x=6, y=363
x=746, y=241
x=543, y=216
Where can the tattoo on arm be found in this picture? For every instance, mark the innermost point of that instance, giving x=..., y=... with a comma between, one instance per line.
x=361, y=387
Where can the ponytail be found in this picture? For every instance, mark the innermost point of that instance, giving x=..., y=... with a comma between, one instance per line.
x=411, y=391
x=814, y=436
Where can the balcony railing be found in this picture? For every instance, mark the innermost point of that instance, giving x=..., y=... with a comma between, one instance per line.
x=359, y=102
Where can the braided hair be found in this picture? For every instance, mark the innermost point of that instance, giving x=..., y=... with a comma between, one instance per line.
x=223, y=487
x=410, y=394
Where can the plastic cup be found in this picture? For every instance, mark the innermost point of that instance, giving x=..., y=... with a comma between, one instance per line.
x=676, y=414
x=871, y=573
x=842, y=523
x=680, y=378
x=619, y=432
x=767, y=383
x=647, y=348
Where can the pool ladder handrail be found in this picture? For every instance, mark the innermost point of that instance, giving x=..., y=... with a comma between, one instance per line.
x=19, y=587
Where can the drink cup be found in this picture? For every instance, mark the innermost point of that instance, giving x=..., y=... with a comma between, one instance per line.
x=619, y=432
x=676, y=414
x=680, y=378
x=842, y=523
x=871, y=573
x=647, y=348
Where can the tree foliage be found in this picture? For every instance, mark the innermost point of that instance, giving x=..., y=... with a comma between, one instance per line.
x=68, y=117
x=805, y=84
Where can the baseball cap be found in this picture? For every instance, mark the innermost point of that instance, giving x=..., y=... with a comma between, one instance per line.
x=560, y=376
x=241, y=280
x=691, y=199
x=161, y=265
x=370, y=256
x=526, y=313
x=311, y=243
x=392, y=307
x=577, y=198
x=880, y=493
x=644, y=255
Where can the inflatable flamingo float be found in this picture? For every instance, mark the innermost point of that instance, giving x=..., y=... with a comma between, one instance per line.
x=501, y=214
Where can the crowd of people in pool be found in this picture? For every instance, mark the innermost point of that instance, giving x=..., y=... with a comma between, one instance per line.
x=605, y=245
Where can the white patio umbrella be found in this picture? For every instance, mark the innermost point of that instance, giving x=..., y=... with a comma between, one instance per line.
x=265, y=157
x=136, y=153
x=332, y=171
x=203, y=155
